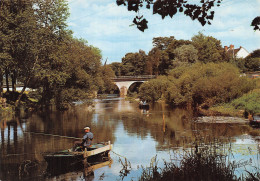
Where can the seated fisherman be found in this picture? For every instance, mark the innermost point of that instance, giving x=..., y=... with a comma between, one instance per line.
x=86, y=141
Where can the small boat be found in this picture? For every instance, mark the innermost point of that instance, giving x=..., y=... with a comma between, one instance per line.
x=67, y=158
x=255, y=121
x=143, y=105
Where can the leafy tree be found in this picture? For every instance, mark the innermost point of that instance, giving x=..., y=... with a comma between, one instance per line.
x=186, y=54
x=255, y=54
x=256, y=23
x=209, y=48
x=134, y=63
x=107, y=85
x=252, y=64
x=160, y=58
x=154, y=60
x=198, y=84
x=252, y=61
x=201, y=11
x=153, y=90
x=207, y=83
x=116, y=67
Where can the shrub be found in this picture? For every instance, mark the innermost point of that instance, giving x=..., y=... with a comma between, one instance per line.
x=249, y=102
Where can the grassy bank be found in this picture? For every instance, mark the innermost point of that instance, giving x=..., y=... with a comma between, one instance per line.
x=248, y=103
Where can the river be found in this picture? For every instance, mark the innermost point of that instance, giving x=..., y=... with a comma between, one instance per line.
x=136, y=135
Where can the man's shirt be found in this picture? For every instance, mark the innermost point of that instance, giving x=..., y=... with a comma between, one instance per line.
x=88, y=138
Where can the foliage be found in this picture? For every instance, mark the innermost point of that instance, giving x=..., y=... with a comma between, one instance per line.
x=37, y=49
x=209, y=48
x=256, y=23
x=201, y=11
x=153, y=90
x=107, y=85
x=116, y=67
x=185, y=54
x=205, y=165
x=207, y=83
x=134, y=64
x=249, y=102
x=160, y=58
x=252, y=61
x=252, y=64
x=198, y=84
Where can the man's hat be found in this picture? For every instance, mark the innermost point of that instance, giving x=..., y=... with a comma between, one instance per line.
x=87, y=128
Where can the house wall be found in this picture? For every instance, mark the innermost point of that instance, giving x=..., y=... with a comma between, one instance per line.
x=242, y=53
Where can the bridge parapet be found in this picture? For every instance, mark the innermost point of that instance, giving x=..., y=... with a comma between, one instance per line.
x=134, y=78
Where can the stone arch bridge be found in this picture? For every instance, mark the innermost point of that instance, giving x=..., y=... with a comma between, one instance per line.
x=124, y=82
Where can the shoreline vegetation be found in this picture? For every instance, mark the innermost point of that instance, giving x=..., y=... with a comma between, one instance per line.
x=204, y=165
x=213, y=161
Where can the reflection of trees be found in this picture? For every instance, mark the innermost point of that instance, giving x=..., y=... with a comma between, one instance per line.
x=18, y=144
x=177, y=128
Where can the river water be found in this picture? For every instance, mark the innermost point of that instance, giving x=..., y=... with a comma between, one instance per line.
x=136, y=135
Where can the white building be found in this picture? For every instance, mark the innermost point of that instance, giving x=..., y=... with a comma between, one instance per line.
x=240, y=52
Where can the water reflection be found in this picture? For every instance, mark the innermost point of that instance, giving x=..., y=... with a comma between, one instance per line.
x=136, y=134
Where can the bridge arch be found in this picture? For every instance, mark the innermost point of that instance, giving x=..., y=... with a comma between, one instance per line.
x=124, y=82
x=124, y=86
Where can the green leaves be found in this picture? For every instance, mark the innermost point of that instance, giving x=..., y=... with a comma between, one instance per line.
x=197, y=84
x=249, y=102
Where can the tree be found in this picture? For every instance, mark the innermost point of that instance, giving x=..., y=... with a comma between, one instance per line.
x=201, y=11
x=252, y=61
x=134, y=63
x=209, y=48
x=116, y=67
x=107, y=85
x=153, y=90
x=18, y=29
x=160, y=58
x=256, y=23
x=186, y=54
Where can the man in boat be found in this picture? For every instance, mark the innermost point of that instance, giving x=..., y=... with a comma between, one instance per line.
x=86, y=140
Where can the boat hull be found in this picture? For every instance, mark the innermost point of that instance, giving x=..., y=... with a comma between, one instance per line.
x=68, y=158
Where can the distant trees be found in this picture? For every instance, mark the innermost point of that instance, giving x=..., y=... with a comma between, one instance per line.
x=169, y=53
x=134, y=63
x=186, y=54
x=252, y=61
x=209, y=48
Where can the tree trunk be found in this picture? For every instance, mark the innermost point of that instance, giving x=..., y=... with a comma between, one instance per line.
x=6, y=80
x=1, y=84
x=17, y=102
x=13, y=76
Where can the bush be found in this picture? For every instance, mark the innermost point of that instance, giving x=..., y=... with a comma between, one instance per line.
x=209, y=83
x=153, y=90
x=249, y=102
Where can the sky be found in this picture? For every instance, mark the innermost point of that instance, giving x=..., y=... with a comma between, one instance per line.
x=108, y=26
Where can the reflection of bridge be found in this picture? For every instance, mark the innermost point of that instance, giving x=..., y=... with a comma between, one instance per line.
x=124, y=82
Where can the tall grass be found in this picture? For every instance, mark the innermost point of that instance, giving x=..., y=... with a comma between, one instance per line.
x=211, y=162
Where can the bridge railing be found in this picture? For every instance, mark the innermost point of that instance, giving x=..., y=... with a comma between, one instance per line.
x=136, y=77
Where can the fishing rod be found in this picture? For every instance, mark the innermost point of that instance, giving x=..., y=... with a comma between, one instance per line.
x=48, y=134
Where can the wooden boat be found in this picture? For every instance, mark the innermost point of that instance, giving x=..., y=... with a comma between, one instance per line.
x=67, y=158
